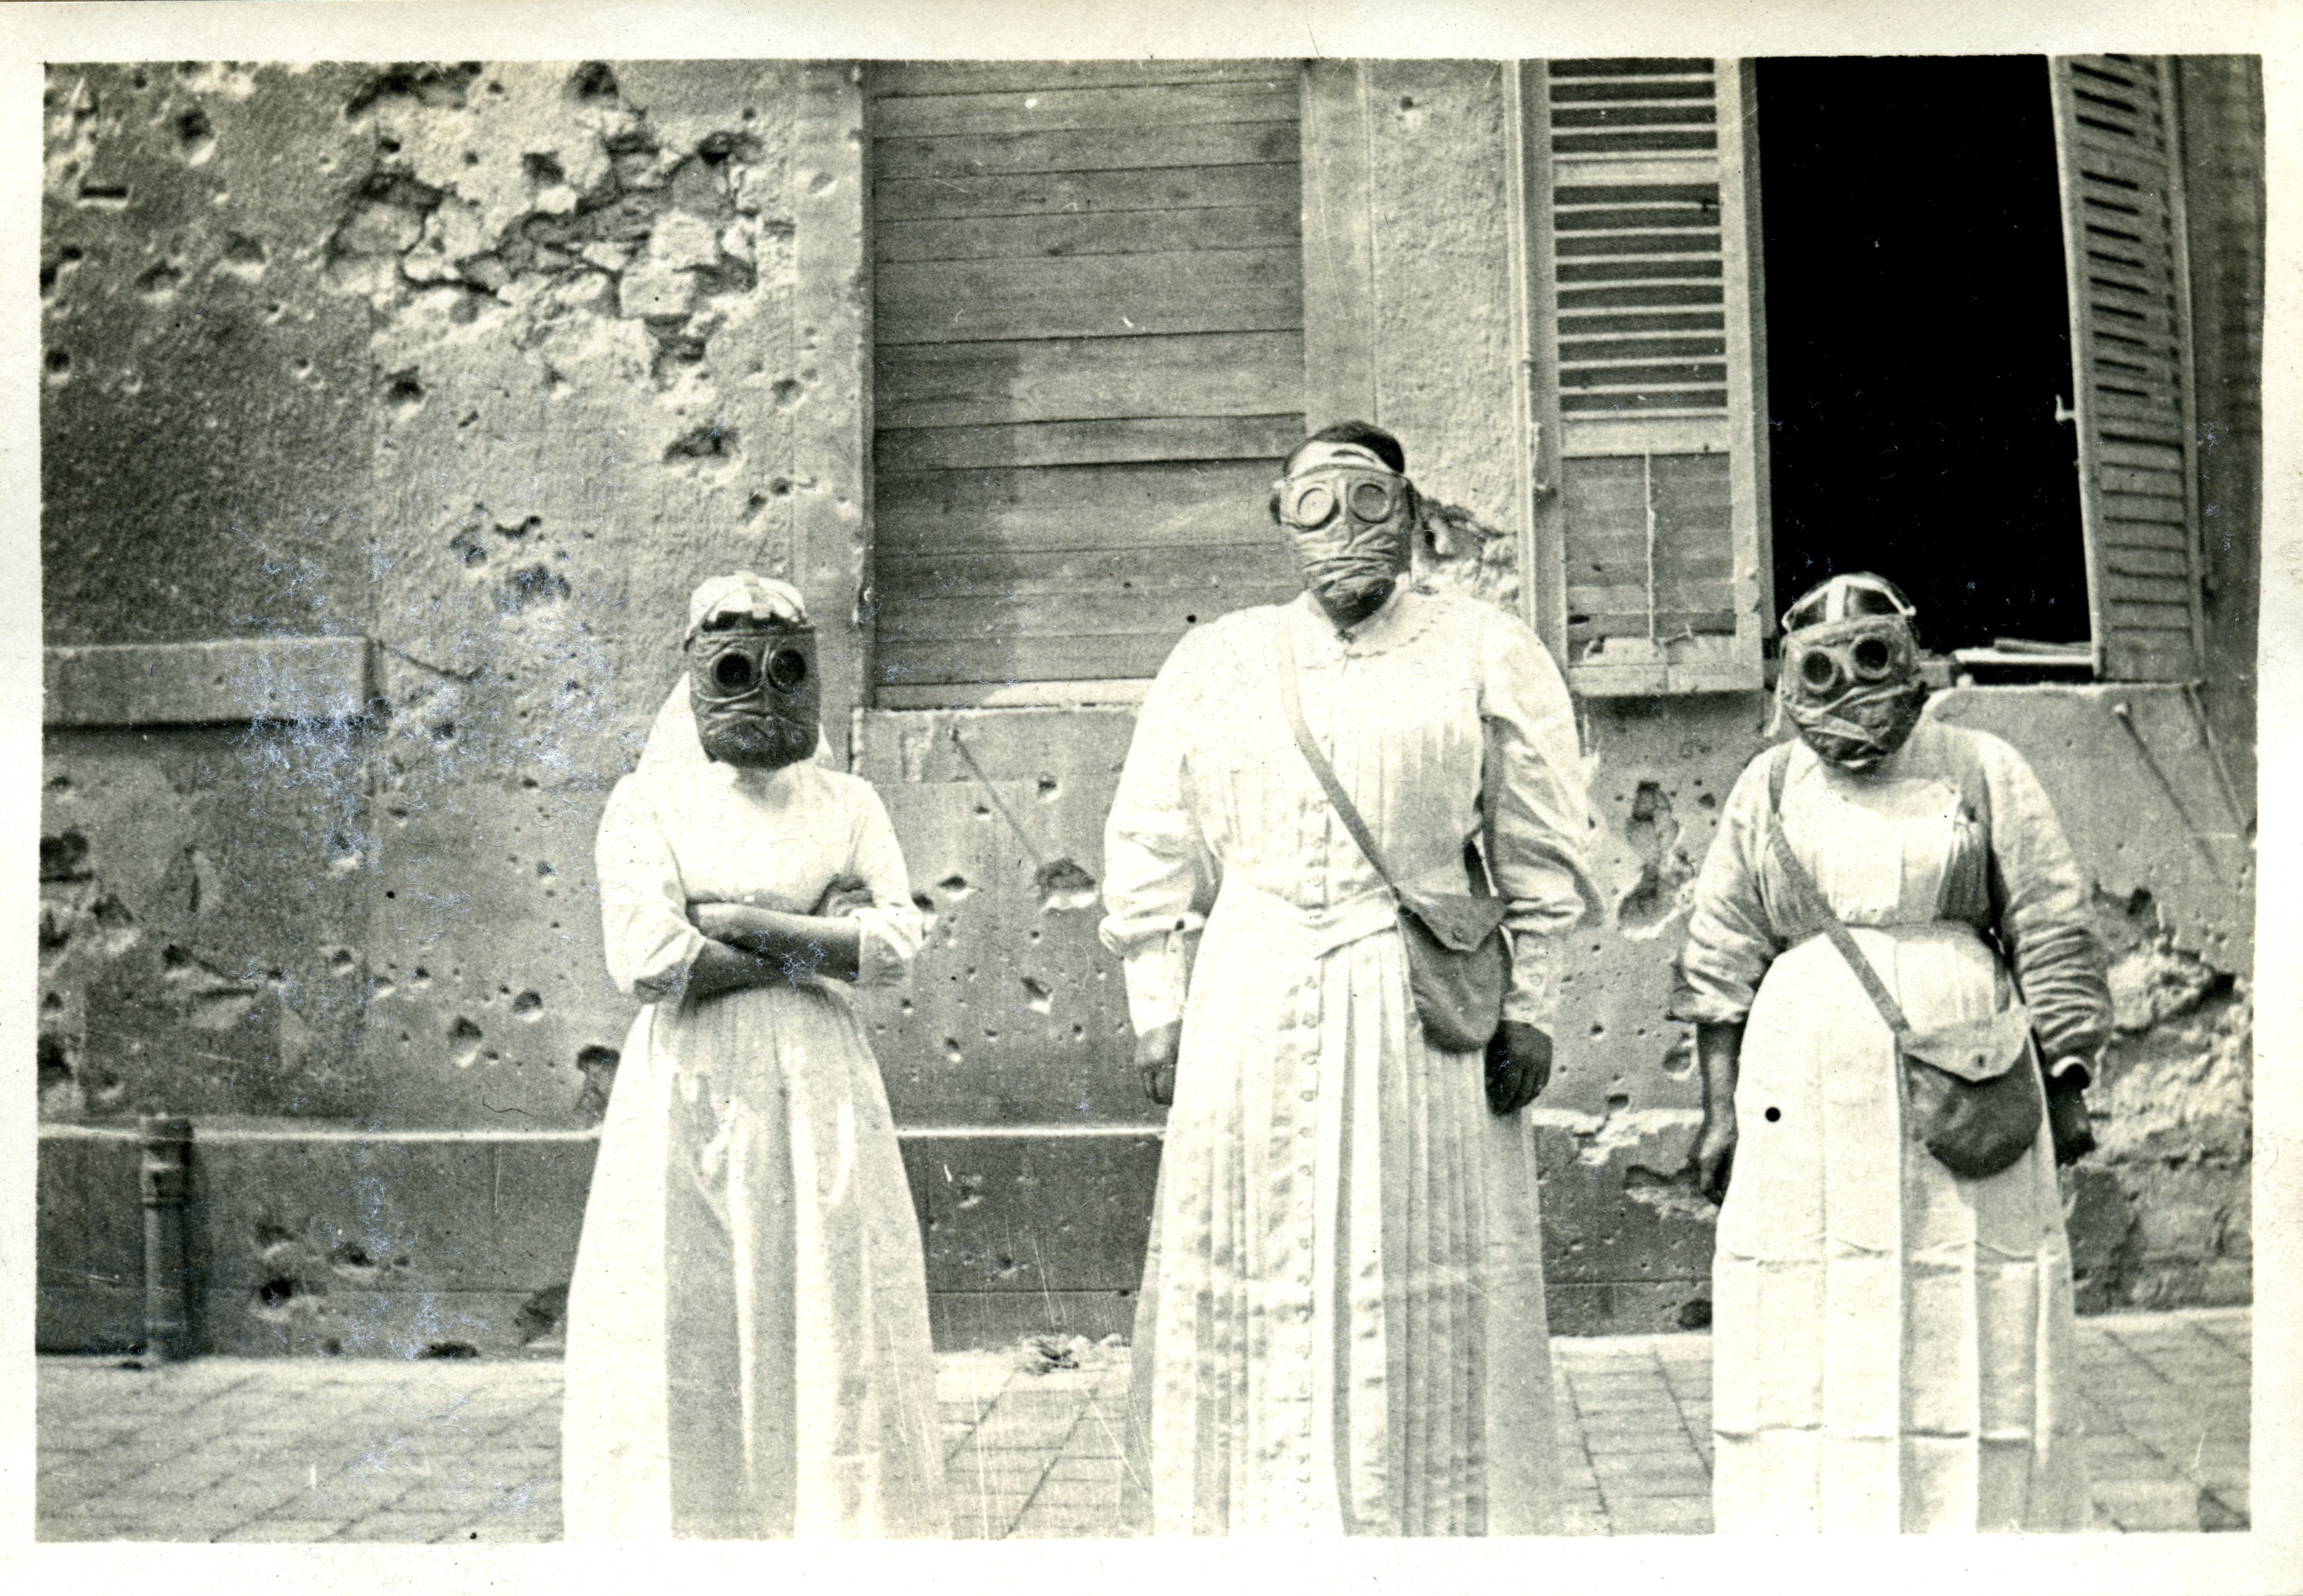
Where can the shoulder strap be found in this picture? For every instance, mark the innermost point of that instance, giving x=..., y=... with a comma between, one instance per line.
x=1292, y=701
x=1821, y=907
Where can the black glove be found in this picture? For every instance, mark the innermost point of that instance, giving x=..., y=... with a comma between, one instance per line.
x=1519, y=1066
x=2067, y=1117
x=1155, y=1060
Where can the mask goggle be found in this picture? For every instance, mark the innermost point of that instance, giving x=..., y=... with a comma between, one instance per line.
x=734, y=663
x=1828, y=660
x=1316, y=498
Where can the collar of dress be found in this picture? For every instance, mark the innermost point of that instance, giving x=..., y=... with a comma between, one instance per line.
x=1317, y=639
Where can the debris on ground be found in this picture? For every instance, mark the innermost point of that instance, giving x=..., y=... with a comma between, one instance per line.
x=1047, y=1353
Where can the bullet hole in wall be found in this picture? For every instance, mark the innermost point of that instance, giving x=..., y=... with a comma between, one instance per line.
x=63, y=857
x=1063, y=885
x=592, y=84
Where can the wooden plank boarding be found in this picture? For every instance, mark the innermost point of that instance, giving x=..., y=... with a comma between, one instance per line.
x=892, y=80
x=2128, y=286
x=1079, y=379
x=1087, y=149
x=1266, y=99
x=1044, y=193
x=1089, y=335
x=1224, y=290
x=1088, y=443
x=1089, y=233
x=1649, y=312
x=1072, y=508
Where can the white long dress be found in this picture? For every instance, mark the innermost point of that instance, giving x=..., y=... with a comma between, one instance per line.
x=748, y=1336
x=1893, y=1344
x=1342, y=1324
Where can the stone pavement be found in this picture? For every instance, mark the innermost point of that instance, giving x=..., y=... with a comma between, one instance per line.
x=320, y=1450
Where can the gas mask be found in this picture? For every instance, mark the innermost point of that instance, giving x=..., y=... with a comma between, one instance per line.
x=1350, y=524
x=751, y=673
x=1853, y=688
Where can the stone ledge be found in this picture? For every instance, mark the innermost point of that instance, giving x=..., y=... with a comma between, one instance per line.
x=221, y=681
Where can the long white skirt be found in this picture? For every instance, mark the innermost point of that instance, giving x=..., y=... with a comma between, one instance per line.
x=1342, y=1327
x=748, y=1327
x=1893, y=1345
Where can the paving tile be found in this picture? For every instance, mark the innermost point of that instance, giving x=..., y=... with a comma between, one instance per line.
x=1003, y=1433
x=1080, y=1493
x=305, y=1449
x=986, y=1518
x=410, y=1528
x=1070, y=1464
x=2149, y=1506
x=1036, y=1523
x=287, y=1529
x=1661, y=1440
x=1661, y=1516
x=971, y=1473
x=1689, y=1477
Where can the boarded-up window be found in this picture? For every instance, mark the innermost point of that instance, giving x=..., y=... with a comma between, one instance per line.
x=2124, y=250
x=1088, y=328
x=1644, y=301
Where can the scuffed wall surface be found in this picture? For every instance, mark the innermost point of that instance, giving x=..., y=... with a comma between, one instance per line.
x=1445, y=372
x=2224, y=197
x=205, y=439
x=498, y=362
x=204, y=419
x=490, y=365
x=202, y=901
x=2159, y=1214
x=581, y=284
x=1630, y=1240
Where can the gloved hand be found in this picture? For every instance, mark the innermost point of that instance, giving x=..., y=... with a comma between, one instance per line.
x=1155, y=1059
x=1519, y=1066
x=2067, y=1116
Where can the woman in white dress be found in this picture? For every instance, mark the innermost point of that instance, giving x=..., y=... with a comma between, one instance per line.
x=1342, y=1323
x=1892, y=1341
x=747, y=1335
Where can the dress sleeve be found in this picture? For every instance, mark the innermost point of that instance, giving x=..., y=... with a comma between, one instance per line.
x=1159, y=877
x=643, y=903
x=1731, y=938
x=893, y=928
x=1538, y=824
x=2043, y=910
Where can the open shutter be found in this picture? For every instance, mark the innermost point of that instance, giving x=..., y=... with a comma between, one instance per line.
x=2123, y=249
x=1089, y=361
x=1644, y=338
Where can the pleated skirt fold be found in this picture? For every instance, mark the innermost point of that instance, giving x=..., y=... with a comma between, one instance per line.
x=1342, y=1327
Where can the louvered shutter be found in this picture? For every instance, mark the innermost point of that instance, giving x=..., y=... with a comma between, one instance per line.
x=1644, y=297
x=2125, y=256
x=1089, y=361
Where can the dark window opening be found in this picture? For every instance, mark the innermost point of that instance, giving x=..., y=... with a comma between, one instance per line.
x=1918, y=341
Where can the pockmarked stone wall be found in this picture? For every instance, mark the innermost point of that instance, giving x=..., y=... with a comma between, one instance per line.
x=388, y=414
x=466, y=372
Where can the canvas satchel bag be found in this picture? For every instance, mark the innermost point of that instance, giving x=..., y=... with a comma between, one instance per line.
x=1458, y=963
x=1972, y=1087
